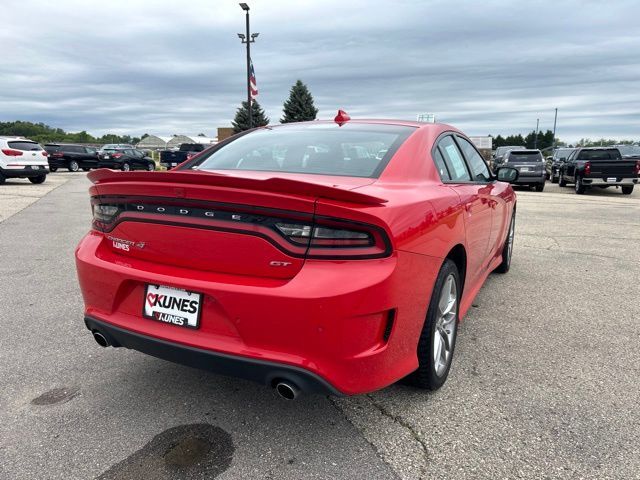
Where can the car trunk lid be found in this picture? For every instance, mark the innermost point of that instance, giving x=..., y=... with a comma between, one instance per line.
x=211, y=221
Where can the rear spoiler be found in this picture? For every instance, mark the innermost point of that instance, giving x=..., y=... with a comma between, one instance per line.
x=275, y=184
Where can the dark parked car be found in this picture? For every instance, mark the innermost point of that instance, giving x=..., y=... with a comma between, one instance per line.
x=530, y=166
x=126, y=159
x=553, y=162
x=71, y=157
x=173, y=158
x=602, y=167
x=499, y=154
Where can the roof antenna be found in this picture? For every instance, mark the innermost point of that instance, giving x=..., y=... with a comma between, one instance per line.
x=342, y=117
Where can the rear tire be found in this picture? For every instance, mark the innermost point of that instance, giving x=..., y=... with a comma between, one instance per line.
x=561, y=182
x=554, y=178
x=53, y=169
x=627, y=189
x=2, y=178
x=126, y=167
x=580, y=188
x=85, y=169
x=540, y=187
x=438, y=338
x=73, y=166
x=507, y=250
x=38, y=179
x=151, y=167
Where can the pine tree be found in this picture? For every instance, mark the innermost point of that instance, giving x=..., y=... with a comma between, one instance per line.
x=241, y=121
x=299, y=107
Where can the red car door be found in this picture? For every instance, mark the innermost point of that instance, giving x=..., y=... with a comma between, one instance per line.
x=475, y=198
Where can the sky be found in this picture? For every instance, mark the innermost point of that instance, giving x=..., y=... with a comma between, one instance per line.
x=490, y=67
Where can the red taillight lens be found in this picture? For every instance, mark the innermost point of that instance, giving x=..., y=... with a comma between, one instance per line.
x=44, y=154
x=638, y=167
x=335, y=240
x=116, y=155
x=10, y=152
x=587, y=168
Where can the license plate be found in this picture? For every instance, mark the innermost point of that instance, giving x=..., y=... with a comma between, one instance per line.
x=35, y=167
x=174, y=164
x=612, y=179
x=106, y=157
x=172, y=305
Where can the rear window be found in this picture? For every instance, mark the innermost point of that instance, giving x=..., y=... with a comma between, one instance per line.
x=525, y=157
x=25, y=146
x=599, y=155
x=354, y=150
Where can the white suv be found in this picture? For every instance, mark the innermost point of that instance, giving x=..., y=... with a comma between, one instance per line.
x=22, y=158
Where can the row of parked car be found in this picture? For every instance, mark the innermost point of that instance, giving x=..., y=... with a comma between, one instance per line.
x=24, y=158
x=582, y=167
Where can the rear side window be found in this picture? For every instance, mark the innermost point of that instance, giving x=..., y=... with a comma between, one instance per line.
x=24, y=146
x=353, y=150
x=441, y=166
x=479, y=169
x=599, y=155
x=454, y=160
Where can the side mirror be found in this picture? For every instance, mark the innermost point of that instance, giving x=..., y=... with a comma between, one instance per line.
x=507, y=174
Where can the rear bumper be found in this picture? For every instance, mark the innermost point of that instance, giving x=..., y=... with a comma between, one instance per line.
x=603, y=181
x=530, y=180
x=353, y=324
x=256, y=370
x=24, y=172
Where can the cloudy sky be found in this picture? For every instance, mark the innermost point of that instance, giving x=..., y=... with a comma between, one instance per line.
x=178, y=67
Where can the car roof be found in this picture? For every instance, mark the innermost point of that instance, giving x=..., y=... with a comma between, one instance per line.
x=526, y=150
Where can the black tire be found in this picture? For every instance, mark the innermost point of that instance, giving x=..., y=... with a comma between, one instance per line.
x=507, y=250
x=580, y=188
x=38, y=179
x=554, y=178
x=425, y=376
x=126, y=167
x=540, y=187
x=2, y=178
x=53, y=169
x=561, y=182
x=85, y=169
x=151, y=167
x=627, y=189
x=73, y=166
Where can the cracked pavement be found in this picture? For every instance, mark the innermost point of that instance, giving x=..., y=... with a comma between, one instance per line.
x=544, y=382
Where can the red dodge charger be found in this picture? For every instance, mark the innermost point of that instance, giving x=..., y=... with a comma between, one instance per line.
x=324, y=257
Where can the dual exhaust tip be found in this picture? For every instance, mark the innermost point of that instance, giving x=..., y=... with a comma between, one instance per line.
x=286, y=390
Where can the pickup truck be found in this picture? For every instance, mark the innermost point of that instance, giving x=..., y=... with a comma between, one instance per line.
x=602, y=167
x=173, y=158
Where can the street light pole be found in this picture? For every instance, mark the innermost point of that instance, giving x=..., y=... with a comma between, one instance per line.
x=555, y=119
x=535, y=141
x=248, y=39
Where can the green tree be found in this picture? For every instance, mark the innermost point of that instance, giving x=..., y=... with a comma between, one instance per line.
x=241, y=121
x=299, y=107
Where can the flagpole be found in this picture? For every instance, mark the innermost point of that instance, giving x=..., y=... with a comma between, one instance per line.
x=249, y=71
x=248, y=38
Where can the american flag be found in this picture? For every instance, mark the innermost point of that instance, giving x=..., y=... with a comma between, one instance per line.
x=252, y=82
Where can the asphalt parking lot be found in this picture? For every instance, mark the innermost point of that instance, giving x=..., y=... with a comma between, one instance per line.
x=544, y=384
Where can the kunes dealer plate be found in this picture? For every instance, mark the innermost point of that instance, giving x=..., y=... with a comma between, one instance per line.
x=172, y=305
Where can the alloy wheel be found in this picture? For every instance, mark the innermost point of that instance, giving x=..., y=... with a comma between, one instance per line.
x=445, y=331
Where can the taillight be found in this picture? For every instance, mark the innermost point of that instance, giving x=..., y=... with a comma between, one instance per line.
x=333, y=238
x=638, y=167
x=298, y=234
x=11, y=152
x=116, y=155
x=44, y=154
x=57, y=154
x=587, y=168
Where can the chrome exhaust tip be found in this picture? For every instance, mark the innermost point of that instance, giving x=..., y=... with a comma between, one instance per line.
x=287, y=390
x=100, y=339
